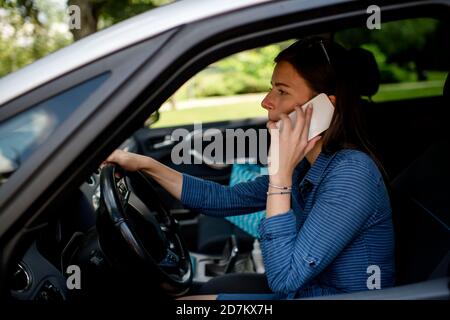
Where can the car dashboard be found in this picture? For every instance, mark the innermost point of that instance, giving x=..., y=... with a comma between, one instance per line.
x=43, y=272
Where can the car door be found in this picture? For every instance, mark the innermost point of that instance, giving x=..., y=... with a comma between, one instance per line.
x=189, y=50
x=158, y=143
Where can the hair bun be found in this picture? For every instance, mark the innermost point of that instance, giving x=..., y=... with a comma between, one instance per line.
x=365, y=70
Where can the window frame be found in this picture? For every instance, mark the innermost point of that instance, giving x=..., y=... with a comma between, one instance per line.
x=121, y=66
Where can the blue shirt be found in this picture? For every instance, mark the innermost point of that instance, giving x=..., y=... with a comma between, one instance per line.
x=338, y=226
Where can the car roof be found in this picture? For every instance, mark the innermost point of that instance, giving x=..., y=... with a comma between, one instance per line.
x=117, y=37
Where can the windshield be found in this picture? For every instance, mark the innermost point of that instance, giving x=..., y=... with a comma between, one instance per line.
x=22, y=134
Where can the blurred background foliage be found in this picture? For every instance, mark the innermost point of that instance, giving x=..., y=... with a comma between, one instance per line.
x=245, y=72
x=31, y=29
x=406, y=51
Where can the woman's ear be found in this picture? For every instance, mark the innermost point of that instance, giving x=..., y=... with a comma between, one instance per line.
x=332, y=99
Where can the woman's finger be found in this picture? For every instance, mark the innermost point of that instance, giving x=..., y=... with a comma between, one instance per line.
x=312, y=143
x=110, y=158
x=114, y=157
x=271, y=125
x=285, y=122
x=307, y=123
x=299, y=121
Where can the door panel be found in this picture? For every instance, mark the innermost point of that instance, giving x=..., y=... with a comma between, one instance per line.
x=157, y=144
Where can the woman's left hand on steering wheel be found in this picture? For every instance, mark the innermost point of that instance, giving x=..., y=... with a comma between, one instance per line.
x=127, y=160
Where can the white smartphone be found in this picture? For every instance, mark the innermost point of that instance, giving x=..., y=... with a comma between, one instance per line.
x=323, y=111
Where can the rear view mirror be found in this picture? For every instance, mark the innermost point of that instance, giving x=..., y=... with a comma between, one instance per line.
x=154, y=117
x=7, y=167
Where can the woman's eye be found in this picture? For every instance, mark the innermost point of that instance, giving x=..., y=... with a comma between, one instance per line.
x=282, y=92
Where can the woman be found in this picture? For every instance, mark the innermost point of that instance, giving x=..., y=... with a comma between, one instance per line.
x=328, y=216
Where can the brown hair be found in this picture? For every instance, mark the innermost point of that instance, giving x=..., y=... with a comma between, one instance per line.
x=327, y=67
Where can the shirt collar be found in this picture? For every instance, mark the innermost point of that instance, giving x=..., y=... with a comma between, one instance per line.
x=303, y=165
x=316, y=170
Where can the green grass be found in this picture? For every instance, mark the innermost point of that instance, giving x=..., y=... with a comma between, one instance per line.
x=436, y=75
x=387, y=92
x=391, y=92
x=210, y=114
x=410, y=90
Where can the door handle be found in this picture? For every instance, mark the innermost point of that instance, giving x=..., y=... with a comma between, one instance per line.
x=165, y=143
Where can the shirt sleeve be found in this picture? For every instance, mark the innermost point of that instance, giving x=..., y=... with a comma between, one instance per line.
x=214, y=199
x=346, y=199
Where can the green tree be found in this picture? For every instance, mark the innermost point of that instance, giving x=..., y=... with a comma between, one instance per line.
x=29, y=30
x=245, y=72
x=401, y=42
x=98, y=14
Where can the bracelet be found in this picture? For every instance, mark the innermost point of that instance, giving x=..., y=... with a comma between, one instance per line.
x=282, y=192
x=280, y=187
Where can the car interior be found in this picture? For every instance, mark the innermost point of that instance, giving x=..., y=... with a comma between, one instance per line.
x=409, y=135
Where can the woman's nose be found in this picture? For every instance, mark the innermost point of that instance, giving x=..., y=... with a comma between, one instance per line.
x=266, y=103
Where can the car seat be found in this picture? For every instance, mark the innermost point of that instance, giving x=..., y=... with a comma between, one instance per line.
x=421, y=214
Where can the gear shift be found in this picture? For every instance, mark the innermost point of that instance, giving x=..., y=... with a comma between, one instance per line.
x=228, y=260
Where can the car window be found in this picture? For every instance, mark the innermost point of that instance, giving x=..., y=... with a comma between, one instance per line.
x=411, y=54
x=229, y=89
x=22, y=134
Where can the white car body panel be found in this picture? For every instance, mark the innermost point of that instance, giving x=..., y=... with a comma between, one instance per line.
x=112, y=39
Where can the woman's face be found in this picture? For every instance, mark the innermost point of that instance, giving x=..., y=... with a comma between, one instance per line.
x=288, y=90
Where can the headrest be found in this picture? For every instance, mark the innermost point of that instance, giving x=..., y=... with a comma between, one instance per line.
x=446, y=92
x=366, y=71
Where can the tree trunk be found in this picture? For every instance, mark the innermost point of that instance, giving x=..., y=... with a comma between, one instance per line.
x=89, y=11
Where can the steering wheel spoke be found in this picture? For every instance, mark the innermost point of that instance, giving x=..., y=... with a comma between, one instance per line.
x=171, y=260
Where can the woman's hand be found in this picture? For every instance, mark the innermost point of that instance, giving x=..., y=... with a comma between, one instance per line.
x=127, y=160
x=289, y=145
x=168, y=178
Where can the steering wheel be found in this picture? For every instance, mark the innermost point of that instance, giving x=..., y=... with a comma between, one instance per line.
x=145, y=230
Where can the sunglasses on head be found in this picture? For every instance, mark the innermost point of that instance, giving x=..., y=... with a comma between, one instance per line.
x=309, y=43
